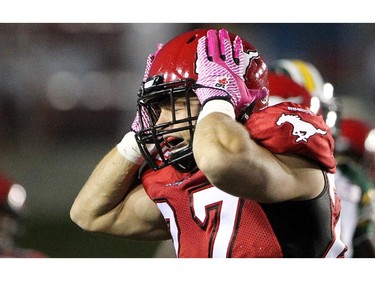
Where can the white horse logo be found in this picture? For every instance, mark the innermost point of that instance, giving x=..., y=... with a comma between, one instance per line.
x=248, y=58
x=303, y=130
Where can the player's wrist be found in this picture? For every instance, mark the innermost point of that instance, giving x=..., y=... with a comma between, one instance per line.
x=217, y=105
x=129, y=148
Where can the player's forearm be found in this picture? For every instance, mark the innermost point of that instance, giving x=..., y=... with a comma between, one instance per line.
x=229, y=158
x=104, y=190
x=219, y=143
x=218, y=135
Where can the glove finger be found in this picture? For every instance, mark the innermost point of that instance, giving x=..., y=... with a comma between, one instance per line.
x=201, y=51
x=149, y=61
x=213, y=45
x=225, y=48
x=228, y=51
x=144, y=118
x=158, y=47
x=136, y=126
x=238, y=51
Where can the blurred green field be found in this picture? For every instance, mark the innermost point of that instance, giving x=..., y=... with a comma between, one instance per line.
x=66, y=240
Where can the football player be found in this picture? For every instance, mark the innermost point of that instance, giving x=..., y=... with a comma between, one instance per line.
x=210, y=165
x=356, y=189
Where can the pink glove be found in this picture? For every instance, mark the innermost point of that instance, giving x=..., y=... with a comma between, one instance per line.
x=220, y=71
x=149, y=61
x=136, y=125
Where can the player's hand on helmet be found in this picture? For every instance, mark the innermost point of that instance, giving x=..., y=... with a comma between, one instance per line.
x=150, y=60
x=128, y=146
x=143, y=119
x=220, y=71
x=136, y=125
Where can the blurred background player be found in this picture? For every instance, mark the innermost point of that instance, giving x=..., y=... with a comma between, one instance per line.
x=357, y=140
x=300, y=81
x=12, y=207
x=358, y=197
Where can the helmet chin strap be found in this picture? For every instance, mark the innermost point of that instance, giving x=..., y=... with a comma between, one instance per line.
x=186, y=163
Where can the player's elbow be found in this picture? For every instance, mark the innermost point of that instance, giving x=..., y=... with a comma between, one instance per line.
x=213, y=167
x=76, y=217
x=235, y=175
x=82, y=218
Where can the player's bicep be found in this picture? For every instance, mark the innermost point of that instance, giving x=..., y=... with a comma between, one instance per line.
x=136, y=217
x=295, y=178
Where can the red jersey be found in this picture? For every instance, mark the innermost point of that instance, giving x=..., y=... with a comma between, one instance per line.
x=206, y=222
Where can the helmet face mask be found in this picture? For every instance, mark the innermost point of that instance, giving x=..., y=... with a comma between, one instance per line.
x=173, y=75
x=153, y=131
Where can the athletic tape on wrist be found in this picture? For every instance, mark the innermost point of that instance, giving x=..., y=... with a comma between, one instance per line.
x=219, y=105
x=128, y=148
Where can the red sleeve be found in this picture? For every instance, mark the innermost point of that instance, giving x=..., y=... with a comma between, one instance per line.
x=290, y=128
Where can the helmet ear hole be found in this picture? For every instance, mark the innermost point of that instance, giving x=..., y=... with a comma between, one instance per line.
x=192, y=39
